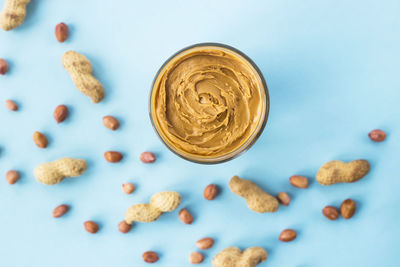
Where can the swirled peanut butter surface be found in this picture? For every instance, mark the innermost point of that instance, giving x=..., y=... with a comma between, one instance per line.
x=208, y=101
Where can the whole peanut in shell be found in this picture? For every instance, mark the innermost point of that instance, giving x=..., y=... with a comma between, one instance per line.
x=257, y=200
x=80, y=70
x=54, y=172
x=13, y=14
x=234, y=257
x=159, y=203
x=340, y=172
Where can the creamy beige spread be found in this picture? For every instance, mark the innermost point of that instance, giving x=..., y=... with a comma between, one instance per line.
x=208, y=101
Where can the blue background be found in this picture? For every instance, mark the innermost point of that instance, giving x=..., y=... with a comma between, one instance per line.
x=332, y=68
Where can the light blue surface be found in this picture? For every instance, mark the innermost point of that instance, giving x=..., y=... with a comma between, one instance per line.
x=332, y=68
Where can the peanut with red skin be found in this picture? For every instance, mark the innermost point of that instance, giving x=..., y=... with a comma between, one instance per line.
x=147, y=157
x=196, y=258
x=283, y=198
x=299, y=181
x=11, y=105
x=348, y=208
x=288, y=235
x=150, y=256
x=3, y=67
x=210, y=192
x=12, y=176
x=60, y=113
x=91, y=227
x=113, y=156
x=185, y=216
x=377, y=135
x=330, y=212
x=111, y=122
x=128, y=188
x=60, y=210
x=205, y=243
x=124, y=227
x=40, y=139
x=61, y=32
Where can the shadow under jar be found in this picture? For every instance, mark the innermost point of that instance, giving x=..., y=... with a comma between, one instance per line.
x=209, y=103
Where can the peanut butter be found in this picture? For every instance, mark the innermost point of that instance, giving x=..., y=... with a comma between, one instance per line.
x=208, y=101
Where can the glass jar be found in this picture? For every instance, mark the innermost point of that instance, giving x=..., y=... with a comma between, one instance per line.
x=163, y=129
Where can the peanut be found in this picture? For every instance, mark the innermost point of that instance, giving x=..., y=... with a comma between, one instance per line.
x=150, y=256
x=80, y=70
x=147, y=157
x=13, y=14
x=330, y=212
x=61, y=32
x=196, y=258
x=40, y=139
x=3, y=67
x=111, y=122
x=348, y=208
x=128, y=188
x=54, y=172
x=234, y=257
x=339, y=172
x=299, y=181
x=257, y=200
x=60, y=113
x=113, y=156
x=123, y=227
x=185, y=216
x=205, y=243
x=210, y=192
x=12, y=176
x=60, y=211
x=11, y=105
x=377, y=135
x=288, y=235
x=159, y=203
x=91, y=227
x=283, y=198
